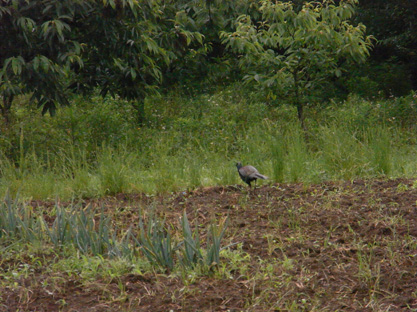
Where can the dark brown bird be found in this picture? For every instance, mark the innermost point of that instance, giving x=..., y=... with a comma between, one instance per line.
x=249, y=174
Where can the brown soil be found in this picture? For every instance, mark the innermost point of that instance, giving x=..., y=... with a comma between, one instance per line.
x=348, y=246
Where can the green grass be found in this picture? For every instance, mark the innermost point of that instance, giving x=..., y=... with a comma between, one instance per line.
x=94, y=148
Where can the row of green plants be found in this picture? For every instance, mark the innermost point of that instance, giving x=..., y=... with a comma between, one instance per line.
x=92, y=234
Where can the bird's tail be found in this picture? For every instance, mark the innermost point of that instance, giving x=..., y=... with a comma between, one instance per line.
x=261, y=176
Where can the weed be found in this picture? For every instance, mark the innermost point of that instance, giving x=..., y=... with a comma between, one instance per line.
x=156, y=243
x=278, y=159
x=379, y=141
x=216, y=233
x=191, y=251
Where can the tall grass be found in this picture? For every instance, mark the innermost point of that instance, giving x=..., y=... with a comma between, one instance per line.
x=298, y=154
x=94, y=148
x=342, y=153
x=278, y=159
x=380, y=150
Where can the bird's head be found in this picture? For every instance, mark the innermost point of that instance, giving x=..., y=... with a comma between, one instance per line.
x=239, y=165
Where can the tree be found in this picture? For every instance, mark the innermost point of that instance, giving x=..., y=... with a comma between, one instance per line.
x=289, y=53
x=35, y=51
x=52, y=47
x=207, y=17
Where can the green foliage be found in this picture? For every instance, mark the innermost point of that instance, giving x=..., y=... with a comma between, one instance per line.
x=160, y=249
x=209, y=60
x=278, y=159
x=393, y=24
x=216, y=233
x=289, y=53
x=92, y=234
x=288, y=50
x=16, y=221
x=401, y=110
x=343, y=153
x=119, y=47
x=157, y=244
x=380, y=144
x=79, y=228
x=297, y=154
x=192, y=143
x=73, y=226
x=37, y=60
x=362, y=86
x=378, y=79
x=112, y=171
x=191, y=254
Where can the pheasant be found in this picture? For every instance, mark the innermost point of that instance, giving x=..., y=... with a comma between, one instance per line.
x=249, y=174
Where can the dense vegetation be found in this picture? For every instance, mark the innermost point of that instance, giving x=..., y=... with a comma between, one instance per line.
x=91, y=149
x=51, y=49
x=122, y=119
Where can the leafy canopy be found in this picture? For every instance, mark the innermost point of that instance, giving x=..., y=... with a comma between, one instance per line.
x=291, y=52
x=50, y=47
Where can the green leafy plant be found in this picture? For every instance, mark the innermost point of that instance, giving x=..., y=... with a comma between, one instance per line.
x=17, y=221
x=214, y=238
x=118, y=47
x=289, y=53
x=191, y=251
x=156, y=244
x=78, y=227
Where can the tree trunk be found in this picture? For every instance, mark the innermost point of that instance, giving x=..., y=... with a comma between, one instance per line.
x=300, y=112
x=5, y=108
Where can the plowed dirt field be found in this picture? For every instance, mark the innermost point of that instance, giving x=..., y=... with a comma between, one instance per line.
x=336, y=246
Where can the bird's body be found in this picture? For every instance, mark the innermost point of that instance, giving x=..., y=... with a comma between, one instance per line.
x=249, y=173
